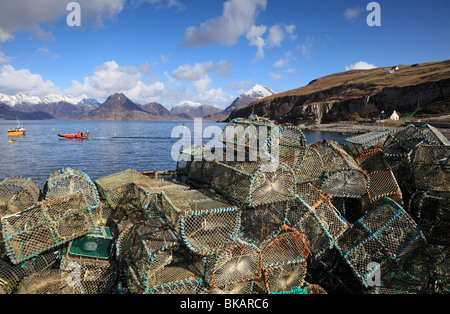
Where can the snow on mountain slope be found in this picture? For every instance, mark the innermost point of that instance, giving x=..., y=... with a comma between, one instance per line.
x=21, y=99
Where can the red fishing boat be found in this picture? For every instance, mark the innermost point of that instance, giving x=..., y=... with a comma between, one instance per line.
x=75, y=136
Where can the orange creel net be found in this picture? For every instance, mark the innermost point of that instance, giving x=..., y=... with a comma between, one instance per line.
x=382, y=180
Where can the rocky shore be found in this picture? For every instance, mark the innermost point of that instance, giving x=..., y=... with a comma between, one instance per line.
x=357, y=128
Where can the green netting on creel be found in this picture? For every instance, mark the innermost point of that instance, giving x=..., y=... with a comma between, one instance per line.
x=68, y=181
x=46, y=225
x=431, y=210
x=384, y=234
x=313, y=214
x=288, y=144
x=431, y=168
x=254, y=183
x=205, y=224
x=435, y=135
x=359, y=143
x=342, y=176
x=264, y=222
x=17, y=194
x=235, y=263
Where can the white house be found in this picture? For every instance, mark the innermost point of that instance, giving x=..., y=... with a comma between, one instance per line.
x=394, y=116
x=392, y=70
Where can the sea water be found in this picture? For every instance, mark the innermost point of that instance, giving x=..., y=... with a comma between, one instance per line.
x=114, y=146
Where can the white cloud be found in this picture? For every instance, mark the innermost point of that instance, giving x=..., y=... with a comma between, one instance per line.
x=165, y=59
x=277, y=33
x=3, y=57
x=291, y=71
x=255, y=39
x=110, y=78
x=237, y=19
x=361, y=65
x=351, y=14
x=198, y=74
x=161, y=4
x=14, y=81
x=288, y=57
x=276, y=76
x=214, y=97
x=27, y=15
x=290, y=29
x=307, y=47
x=240, y=86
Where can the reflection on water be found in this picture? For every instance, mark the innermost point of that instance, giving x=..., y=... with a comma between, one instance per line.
x=114, y=146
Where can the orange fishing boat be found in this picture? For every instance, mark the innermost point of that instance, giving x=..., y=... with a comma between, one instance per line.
x=19, y=130
x=75, y=136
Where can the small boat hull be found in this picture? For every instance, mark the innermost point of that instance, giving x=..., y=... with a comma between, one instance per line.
x=15, y=133
x=74, y=136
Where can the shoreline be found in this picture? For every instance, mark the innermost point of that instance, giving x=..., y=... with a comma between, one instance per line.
x=355, y=129
x=351, y=129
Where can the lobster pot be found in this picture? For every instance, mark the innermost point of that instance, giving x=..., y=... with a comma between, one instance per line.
x=243, y=287
x=288, y=143
x=203, y=223
x=254, y=183
x=46, y=225
x=113, y=188
x=431, y=210
x=68, y=181
x=289, y=247
x=399, y=154
x=17, y=194
x=263, y=222
x=311, y=167
x=382, y=180
x=283, y=261
x=440, y=268
x=384, y=234
x=405, y=277
x=307, y=289
x=431, y=168
x=342, y=176
x=152, y=251
x=11, y=275
x=90, y=258
x=371, y=140
x=285, y=277
x=47, y=281
x=435, y=135
x=409, y=131
x=194, y=166
x=180, y=288
x=313, y=214
x=248, y=138
x=146, y=197
x=236, y=263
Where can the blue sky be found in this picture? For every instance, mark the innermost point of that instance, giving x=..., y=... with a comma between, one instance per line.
x=208, y=52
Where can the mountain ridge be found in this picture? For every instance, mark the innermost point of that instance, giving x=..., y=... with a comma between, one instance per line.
x=359, y=94
x=255, y=93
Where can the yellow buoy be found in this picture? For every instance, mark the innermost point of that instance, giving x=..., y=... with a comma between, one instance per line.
x=11, y=142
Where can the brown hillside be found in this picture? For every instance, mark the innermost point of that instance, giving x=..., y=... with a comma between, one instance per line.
x=339, y=96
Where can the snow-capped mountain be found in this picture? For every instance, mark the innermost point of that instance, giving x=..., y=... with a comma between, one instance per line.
x=257, y=92
x=190, y=109
x=21, y=99
x=55, y=106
